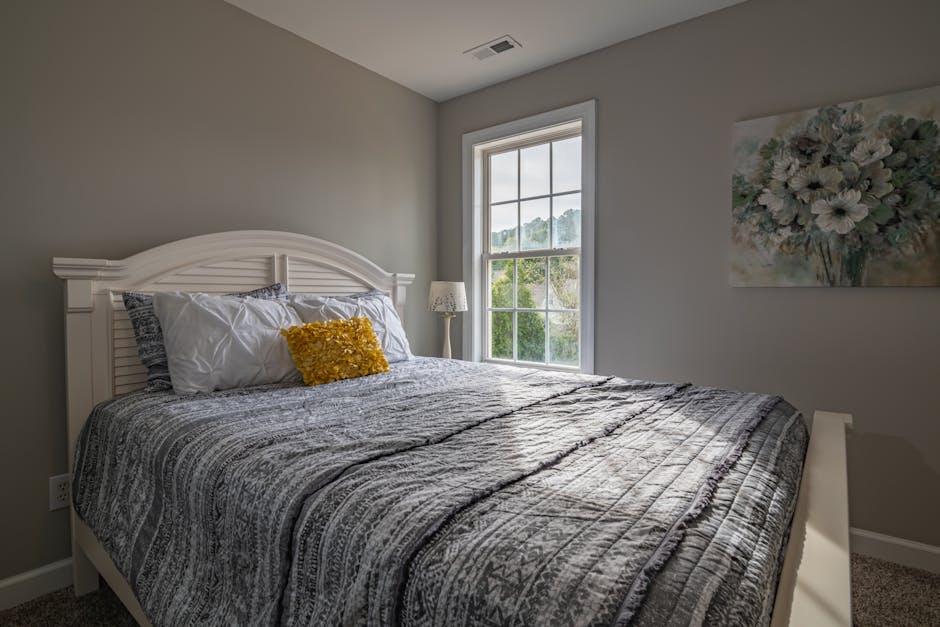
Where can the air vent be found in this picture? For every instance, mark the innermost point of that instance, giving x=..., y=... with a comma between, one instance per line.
x=493, y=48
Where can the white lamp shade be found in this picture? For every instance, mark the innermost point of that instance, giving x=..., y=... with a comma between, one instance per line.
x=449, y=296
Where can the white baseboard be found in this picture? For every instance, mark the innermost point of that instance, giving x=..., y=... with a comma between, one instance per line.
x=897, y=550
x=35, y=583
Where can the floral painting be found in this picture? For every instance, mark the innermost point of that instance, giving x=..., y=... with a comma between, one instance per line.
x=843, y=195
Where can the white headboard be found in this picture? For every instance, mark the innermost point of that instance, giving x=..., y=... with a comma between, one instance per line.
x=101, y=353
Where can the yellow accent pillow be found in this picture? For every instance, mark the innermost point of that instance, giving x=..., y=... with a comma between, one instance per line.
x=337, y=349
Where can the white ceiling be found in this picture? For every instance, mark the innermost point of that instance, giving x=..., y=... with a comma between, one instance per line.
x=420, y=43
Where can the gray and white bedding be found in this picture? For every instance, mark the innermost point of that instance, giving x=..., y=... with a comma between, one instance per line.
x=445, y=492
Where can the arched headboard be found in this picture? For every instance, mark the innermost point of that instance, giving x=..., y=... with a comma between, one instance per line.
x=101, y=353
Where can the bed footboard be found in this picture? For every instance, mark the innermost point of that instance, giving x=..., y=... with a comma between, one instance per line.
x=90, y=551
x=815, y=584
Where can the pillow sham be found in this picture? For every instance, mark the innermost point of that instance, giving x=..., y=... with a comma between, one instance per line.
x=376, y=306
x=149, y=335
x=338, y=349
x=223, y=342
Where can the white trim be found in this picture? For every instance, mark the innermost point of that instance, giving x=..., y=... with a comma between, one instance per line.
x=528, y=364
x=33, y=584
x=100, y=563
x=144, y=269
x=472, y=145
x=815, y=581
x=897, y=550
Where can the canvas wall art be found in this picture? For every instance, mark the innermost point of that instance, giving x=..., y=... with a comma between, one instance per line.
x=845, y=195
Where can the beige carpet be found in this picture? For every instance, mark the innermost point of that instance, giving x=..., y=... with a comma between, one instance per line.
x=886, y=594
x=63, y=609
x=883, y=594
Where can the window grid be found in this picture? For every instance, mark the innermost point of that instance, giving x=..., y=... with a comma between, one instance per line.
x=569, y=192
x=516, y=309
x=514, y=256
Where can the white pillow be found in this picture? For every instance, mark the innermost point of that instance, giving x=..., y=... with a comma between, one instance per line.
x=222, y=342
x=376, y=306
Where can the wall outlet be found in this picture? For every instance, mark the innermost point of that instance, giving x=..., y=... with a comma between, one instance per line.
x=59, y=491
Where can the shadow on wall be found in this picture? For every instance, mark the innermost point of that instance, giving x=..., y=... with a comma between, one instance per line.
x=868, y=455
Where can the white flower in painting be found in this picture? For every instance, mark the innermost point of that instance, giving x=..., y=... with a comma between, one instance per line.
x=814, y=182
x=771, y=201
x=851, y=121
x=841, y=213
x=778, y=237
x=785, y=167
x=878, y=180
x=871, y=149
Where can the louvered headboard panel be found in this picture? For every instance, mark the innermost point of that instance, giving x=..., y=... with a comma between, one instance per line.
x=309, y=278
x=101, y=351
x=302, y=276
x=221, y=277
x=129, y=373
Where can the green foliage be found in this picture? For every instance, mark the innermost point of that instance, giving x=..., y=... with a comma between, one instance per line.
x=768, y=150
x=531, y=327
x=743, y=194
x=563, y=283
x=567, y=228
x=531, y=336
x=501, y=331
x=535, y=233
x=563, y=338
x=504, y=240
x=882, y=214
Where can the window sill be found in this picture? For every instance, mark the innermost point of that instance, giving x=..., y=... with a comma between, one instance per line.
x=533, y=364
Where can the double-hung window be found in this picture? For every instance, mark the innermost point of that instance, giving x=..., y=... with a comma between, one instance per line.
x=531, y=263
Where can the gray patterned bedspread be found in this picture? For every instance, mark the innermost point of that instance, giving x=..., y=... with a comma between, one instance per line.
x=445, y=493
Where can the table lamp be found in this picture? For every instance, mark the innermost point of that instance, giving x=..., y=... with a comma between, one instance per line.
x=447, y=298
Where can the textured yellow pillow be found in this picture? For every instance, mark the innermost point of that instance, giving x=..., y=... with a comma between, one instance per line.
x=334, y=350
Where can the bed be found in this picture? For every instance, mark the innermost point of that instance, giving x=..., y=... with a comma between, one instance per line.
x=441, y=492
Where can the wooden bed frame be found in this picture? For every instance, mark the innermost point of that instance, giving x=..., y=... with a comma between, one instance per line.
x=102, y=361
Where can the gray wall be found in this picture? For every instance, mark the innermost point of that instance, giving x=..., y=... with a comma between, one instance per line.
x=666, y=105
x=126, y=124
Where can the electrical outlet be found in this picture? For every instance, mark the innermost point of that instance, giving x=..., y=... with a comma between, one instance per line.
x=59, y=491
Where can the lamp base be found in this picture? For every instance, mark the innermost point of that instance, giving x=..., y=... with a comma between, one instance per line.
x=447, y=318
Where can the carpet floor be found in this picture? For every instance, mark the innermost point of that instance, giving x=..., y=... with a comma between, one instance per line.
x=883, y=595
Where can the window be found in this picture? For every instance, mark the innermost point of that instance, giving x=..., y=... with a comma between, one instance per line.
x=529, y=268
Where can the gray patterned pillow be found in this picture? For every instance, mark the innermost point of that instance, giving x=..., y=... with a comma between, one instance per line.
x=149, y=333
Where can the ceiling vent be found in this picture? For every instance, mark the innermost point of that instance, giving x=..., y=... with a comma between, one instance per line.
x=493, y=48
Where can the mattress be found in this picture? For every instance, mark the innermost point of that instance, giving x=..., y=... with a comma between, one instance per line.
x=445, y=492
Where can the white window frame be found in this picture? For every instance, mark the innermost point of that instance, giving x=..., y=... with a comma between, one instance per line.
x=473, y=147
